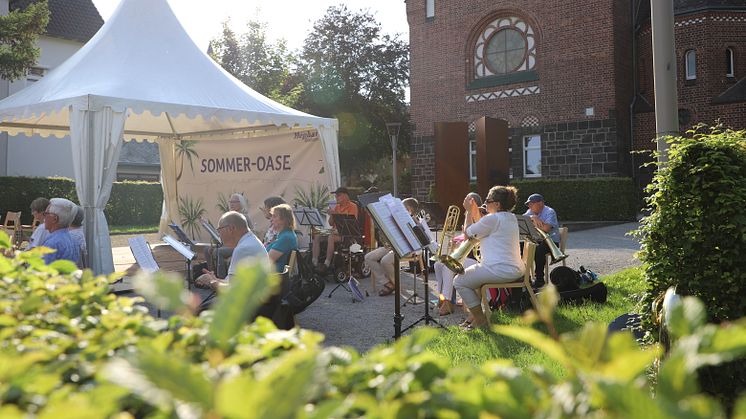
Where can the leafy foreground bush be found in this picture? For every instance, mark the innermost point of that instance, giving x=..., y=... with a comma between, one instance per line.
x=695, y=236
x=69, y=349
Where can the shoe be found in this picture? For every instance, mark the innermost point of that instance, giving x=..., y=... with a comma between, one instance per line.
x=446, y=308
x=388, y=289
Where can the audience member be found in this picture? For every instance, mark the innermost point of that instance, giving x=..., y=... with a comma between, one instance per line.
x=38, y=206
x=78, y=233
x=57, y=218
x=270, y=203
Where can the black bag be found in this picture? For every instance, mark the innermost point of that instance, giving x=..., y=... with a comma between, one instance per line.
x=565, y=279
x=305, y=287
x=596, y=293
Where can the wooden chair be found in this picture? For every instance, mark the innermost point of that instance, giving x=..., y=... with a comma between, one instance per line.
x=529, y=251
x=292, y=263
x=562, y=244
x=12, y=226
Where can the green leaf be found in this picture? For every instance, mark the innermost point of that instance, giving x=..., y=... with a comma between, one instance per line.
x=251, y=286
x=64, y=266
x=165, y=291
x=4, y=240
x=162, y=377
x=675, y=380
x=625, y=359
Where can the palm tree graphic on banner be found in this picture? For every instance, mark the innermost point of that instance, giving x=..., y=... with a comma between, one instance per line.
x=185, y=150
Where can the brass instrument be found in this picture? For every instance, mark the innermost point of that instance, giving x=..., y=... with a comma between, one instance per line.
x=455, y=260
x=557, y=255
x=449, y=229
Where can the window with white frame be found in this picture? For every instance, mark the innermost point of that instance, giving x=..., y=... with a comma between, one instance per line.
x=472, y=160
x=429, y=9
x=729, y=67
x=690, y=64
x=532, y=156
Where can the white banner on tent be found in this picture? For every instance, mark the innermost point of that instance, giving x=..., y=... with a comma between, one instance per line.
x=208, y=172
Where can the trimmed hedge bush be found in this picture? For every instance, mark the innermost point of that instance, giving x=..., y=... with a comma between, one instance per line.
x=593, y=199
x=130, y=203
x=695, y=236
x=67, y=348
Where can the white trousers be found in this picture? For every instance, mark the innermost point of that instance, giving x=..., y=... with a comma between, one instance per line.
x=381, y=263
x=468, y=283
x=444, y=277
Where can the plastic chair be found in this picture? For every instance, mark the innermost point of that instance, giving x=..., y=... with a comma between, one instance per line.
x=529, y=251
x=562, y=244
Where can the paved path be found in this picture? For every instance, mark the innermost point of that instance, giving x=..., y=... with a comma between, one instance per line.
x=363, y=325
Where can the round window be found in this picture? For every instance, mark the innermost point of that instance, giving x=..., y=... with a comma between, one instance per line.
x=506, y=51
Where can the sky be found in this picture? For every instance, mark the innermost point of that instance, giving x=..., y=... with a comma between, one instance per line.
x=287, y=19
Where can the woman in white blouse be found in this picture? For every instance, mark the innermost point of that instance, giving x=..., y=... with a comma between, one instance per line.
x=499, y=243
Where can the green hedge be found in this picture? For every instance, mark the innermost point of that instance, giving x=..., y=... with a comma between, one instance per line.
x=130, y=203
x=595, y=199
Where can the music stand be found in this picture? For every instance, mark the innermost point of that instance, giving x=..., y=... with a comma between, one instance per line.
x=181, y=235
x=347, y=227
x=215, y=236
x=526, y=228
x=308, y=217
x=184, y=251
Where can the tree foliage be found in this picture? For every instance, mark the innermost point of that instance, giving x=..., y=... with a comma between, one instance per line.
x=18, y=33
x=353, y=72
x=258, y=62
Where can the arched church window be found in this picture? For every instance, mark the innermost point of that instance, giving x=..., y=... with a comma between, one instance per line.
x=505, y=45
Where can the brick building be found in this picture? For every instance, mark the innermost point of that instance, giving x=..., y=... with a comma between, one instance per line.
x=573, y=79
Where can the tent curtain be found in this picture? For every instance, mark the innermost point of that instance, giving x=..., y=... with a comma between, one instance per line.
x=167, y=152
x=329, y=147
x=96, y=137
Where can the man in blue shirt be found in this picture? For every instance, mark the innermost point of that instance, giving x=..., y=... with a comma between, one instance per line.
x=545, y=219
x=57, y=218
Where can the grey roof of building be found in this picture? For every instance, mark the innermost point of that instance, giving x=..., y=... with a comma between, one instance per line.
x=735, y=94
x=76, y=20
x=139, y=153
x=683, y=7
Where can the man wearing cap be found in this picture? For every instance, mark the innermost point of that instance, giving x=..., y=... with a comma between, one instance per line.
x=343, y=206
x=545, y=219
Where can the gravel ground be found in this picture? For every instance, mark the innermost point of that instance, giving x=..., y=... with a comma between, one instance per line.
x=365, y=324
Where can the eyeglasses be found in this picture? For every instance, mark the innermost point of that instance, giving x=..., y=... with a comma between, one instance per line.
x=45, y=213
x=221, y=227
x=489, y=201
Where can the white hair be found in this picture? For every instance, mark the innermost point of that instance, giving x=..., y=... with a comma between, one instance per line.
x=64, y=209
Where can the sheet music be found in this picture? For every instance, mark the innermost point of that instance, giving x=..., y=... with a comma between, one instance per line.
x=390, y=228
x=142, y=253
x=179, y=247
x=402, y=218
x=211, y=231
x=310, y=216
x=181, y=234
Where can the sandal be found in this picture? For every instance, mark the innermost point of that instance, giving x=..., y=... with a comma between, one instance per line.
x=388, y=289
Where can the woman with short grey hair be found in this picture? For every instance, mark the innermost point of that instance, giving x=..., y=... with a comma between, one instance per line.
x=57, y=218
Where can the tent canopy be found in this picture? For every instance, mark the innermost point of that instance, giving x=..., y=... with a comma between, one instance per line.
x=142, y=77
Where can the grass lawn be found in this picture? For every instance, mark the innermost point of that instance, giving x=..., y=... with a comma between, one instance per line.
x=476, y=347
x=133, y=229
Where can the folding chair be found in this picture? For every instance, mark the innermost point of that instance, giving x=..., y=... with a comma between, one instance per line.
x=529, y=251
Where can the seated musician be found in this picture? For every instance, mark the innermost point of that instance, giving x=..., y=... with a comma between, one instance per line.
x=545, y=219
x=279, y=249
x=238, y=203
x=443, y=275
x=501, y=256
x=270, y=203
x=381, y=260
x=343, y=206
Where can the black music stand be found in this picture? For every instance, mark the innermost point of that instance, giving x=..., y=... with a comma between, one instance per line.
x=308, y=217
x=181, y=235
x=347, y=227
x=427, y=318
